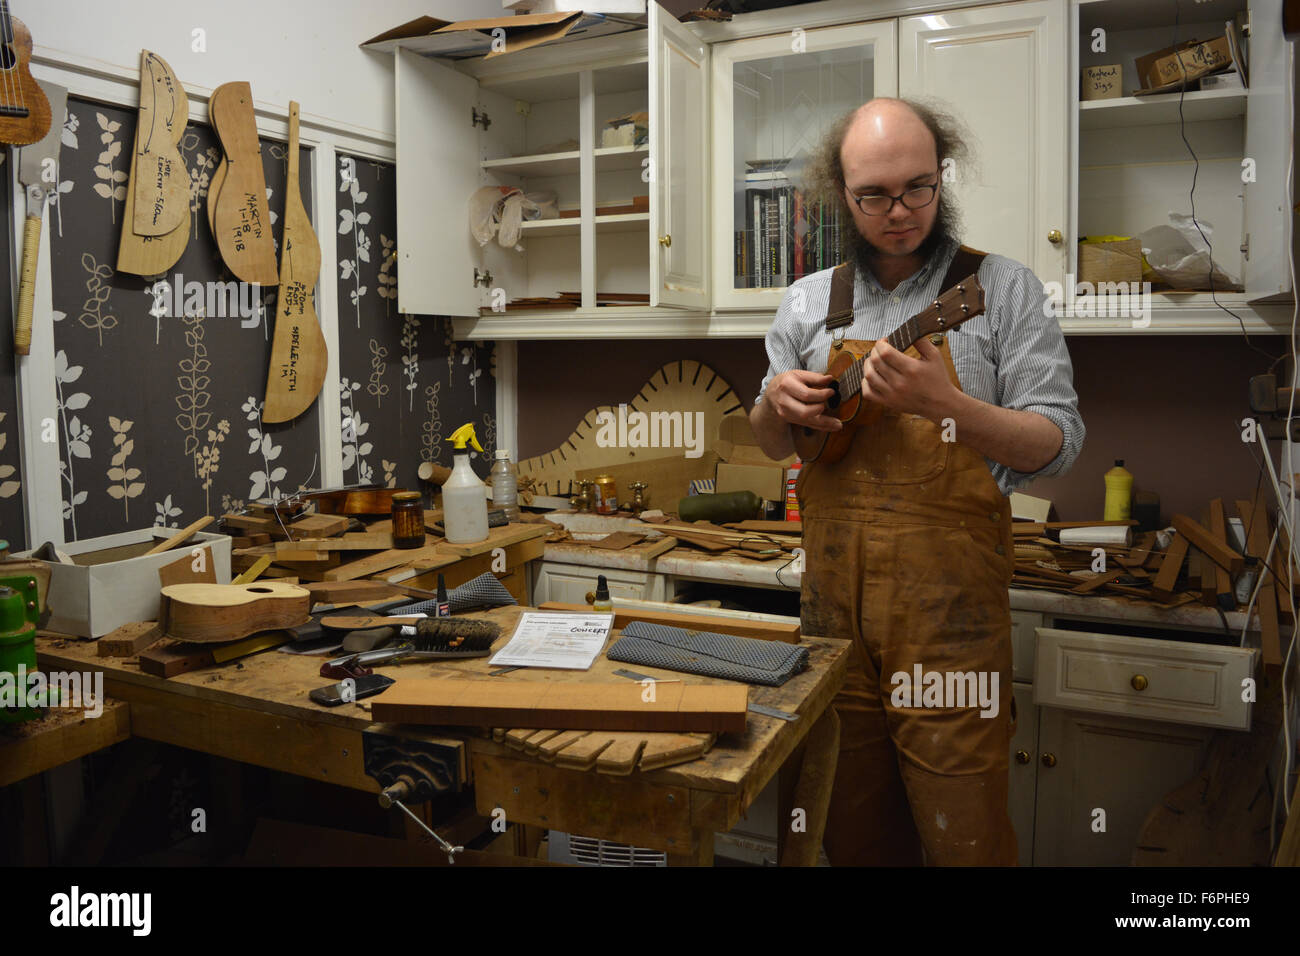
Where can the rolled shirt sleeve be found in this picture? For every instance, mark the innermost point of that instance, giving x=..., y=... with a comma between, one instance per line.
x=1034, y=372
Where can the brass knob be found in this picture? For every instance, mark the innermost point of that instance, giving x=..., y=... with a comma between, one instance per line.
x=1022, y=756
x=1054, y=236
x=1049, y=760
x=665, y=241
x=1139, y=682
x=591, y=597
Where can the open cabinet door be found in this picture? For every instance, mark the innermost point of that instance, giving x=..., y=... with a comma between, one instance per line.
x=679, y=153
x=1268, y=104
x=437, y=172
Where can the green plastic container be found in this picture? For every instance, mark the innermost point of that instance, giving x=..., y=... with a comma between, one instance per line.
x=729, y=506
x=17, y=646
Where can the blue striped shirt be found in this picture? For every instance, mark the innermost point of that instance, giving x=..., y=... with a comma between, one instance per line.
x=1013, y=355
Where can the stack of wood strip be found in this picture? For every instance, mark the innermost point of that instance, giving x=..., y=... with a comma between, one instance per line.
x=757, y=540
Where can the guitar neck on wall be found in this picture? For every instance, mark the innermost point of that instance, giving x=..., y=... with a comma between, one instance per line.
x=959, y=304
x=24, y=109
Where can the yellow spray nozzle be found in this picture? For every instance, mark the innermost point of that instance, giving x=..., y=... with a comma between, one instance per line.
x=464, y=434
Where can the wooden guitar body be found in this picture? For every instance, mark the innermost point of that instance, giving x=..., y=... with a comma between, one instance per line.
x=212, y=613
x=24, y=109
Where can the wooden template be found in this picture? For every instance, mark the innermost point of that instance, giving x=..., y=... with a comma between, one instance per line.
x=242, y=220
x=162, y=189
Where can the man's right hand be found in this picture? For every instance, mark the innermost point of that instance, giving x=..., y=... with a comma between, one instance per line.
x=799, y=397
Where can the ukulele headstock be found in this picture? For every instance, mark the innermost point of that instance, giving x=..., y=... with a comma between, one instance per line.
x=958, y=304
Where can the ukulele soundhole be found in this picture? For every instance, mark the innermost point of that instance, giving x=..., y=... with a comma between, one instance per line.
x=833, y=402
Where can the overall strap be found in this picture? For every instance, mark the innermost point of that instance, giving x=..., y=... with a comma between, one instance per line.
x=839, y=309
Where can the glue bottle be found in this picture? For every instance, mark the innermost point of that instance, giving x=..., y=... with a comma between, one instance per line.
x=464, y=496
x=1119, y=493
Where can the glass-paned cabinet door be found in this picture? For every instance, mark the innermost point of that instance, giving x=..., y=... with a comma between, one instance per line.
x=774, y=98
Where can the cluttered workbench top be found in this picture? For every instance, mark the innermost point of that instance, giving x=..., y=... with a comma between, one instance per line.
x=673, y=549
x=278, y=683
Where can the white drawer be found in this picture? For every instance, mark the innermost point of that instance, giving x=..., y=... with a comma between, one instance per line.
x=1182, y=682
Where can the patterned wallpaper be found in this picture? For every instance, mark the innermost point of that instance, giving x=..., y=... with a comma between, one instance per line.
x=405, y=385
x=159, y=416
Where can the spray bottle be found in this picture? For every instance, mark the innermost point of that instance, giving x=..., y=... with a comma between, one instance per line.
x=464, y=496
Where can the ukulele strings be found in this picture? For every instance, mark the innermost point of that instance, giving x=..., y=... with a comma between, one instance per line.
x=17, y=87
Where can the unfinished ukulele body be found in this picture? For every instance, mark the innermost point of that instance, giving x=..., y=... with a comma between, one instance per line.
x=211, y=613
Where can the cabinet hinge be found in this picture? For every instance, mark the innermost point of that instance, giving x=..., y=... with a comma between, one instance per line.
x=479, y=119
x=1245, y=247
x=482, y=278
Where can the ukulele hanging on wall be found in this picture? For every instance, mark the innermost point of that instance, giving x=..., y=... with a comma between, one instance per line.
x=24, y=110
x=240, y=217
x=298, y=353
x=156, y=214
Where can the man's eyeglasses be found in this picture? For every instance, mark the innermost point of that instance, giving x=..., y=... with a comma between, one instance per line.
x=918, y=197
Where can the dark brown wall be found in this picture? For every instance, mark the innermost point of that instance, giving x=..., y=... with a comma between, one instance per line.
x=1168, y=405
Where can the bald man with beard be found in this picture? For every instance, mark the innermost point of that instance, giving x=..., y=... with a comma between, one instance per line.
x=908, y=541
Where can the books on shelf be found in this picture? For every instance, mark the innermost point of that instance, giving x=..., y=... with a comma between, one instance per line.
x=785, y=236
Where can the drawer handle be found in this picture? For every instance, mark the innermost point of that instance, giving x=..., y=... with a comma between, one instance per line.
x=1139, y=682
x=1049, y=760
x=1022, y=756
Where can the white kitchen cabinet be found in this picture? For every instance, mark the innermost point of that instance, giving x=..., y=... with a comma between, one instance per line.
x=1022, y=791
x=774, y=97
x=1002, y=71
x=571, y=583
x=533, y=119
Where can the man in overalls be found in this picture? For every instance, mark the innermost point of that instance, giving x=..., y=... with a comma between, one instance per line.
x=908, y=538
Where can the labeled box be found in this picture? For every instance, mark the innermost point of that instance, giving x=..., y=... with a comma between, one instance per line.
x=1102, y=82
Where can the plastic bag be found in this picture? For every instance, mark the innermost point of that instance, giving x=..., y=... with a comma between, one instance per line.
x=500, y=210
x=1179, y=256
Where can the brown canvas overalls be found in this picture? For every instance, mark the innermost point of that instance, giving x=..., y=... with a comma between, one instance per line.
x=909, y=553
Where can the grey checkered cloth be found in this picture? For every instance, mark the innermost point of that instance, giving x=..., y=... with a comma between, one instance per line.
x=712, y=655
x=484, y=591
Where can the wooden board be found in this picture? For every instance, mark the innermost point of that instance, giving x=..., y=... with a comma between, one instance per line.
x=149, y=255
x=677, y=707
x=1167, y=577
x=618, y=540
x=61, y=735
x=162, y=195
x=622, y=751
x=382, y=561
x=762, y=630
x=497, y=538
x=684, y=387
x=129, y=639
x=772, y=527
x=241, y=218
x=169, y=657
x=1254, y=517
x=1204, y=541
x=182, y=572
x=346, y=592
x=180, y=537
x=298, y=351
x=223, y=612
x=352, y=541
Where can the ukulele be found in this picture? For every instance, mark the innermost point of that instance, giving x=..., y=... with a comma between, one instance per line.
x=211, y=613
x=24, y=110
x=959, y=304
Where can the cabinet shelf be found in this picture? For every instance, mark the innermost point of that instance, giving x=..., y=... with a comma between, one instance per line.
x=1198, y=107
x=566, y=163
x=624, y=222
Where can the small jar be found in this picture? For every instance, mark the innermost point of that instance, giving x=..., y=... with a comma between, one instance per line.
x=408, y=520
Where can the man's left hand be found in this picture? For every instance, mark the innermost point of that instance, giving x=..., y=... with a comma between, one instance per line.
x=919, y=386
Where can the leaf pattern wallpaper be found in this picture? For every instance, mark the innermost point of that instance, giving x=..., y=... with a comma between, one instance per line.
x=159, y=415
x=404, y=385
x=12, y=523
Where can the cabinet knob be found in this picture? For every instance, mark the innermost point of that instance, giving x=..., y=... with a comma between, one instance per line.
x=1054, y=236
x=665, y=241
x=1022, y=756
x=1139, y=682
x=591, y=597
x=1049, y=760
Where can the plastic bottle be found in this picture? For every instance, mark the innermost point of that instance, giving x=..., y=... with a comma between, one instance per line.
x=505, y=486
x=1119, y=493
x=464, y=496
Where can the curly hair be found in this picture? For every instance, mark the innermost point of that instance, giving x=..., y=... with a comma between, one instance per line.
x=823, y=174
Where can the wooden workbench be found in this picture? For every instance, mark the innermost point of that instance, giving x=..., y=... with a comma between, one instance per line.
x=256, y=710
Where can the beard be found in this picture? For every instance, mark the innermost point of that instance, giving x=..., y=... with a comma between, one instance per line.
x=864, y=254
